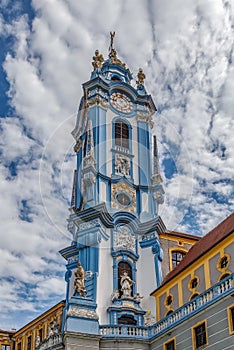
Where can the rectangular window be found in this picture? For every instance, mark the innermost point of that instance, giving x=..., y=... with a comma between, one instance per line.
x=231, y=319
x=170, y=345
x=41, y=334
x=29, y=343
x=200, y=335
x=5, y=347
x=19, y=346
x=121, y=134
x=177, y=256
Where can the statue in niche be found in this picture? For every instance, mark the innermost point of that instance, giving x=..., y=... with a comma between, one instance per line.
x=126, y=285
x=123, y=239
x=79, y=285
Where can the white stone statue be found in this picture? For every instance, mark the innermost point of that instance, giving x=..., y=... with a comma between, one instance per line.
x=50, y=331
x=149, y=320
x=38, y=340
x=53, y=328
x=138, y=297
x=79, y=285
x=115, y=295
x=126, y=285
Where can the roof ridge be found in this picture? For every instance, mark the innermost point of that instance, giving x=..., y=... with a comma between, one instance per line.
x=218, y=233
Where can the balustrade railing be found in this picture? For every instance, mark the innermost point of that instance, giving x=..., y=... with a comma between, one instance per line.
x=214, y=293
x=50, y=342
x=124, y=331
x=211, y=295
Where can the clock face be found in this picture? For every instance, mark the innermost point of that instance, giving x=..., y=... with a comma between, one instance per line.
x=123, y=199
x=121, y=102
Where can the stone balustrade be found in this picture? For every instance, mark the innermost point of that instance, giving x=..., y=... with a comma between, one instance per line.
x=124, y=331
x=222, y=288
x=210, y=296
x=50, y=342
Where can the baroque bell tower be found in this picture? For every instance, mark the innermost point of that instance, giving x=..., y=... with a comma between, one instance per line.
x=114, y=260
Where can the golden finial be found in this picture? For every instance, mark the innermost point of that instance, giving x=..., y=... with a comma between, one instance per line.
x=141, y=77
x=97, y=61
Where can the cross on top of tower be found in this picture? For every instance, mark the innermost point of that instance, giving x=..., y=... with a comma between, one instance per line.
x=112, y=35
x=113, y=52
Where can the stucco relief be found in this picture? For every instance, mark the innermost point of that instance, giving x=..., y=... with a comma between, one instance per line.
x=86, y=313
x=88, y=224
x=122, y=165
x=73, y=259
x=123, y=239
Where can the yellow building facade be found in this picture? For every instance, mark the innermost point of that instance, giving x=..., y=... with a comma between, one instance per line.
x=40, y=328
x=175, y=246
x=35, y=332
x=6, y=339
x=209, y=261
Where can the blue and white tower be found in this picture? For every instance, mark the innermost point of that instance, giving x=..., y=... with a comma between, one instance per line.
x=114, y=260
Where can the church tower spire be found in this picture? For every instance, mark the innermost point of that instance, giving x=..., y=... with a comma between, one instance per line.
x=114, y=260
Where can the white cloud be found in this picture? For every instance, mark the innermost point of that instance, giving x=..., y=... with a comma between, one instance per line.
x=185, y=49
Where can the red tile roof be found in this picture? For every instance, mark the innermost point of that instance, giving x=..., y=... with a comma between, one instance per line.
x=221, y=231
x=8, y=332
x=182, y=235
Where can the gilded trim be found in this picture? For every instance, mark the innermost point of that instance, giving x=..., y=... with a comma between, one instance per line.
x=180, y=293
x=176, y=249
x=194, y=334
x=168, y=341
x=225, y=274
x=166, y=302
x=207, y=273
x=194, y=295
x=192, y=279
x=230, y=321
x=218, y=265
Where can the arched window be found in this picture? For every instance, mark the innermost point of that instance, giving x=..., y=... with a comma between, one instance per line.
x=121, y=134
x=194, y=295
x=115, y=78
x=169, y=312
x=127, y=319
x=123, y=267
x=224, y=276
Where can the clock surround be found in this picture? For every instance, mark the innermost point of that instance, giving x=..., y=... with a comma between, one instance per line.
x=121, y=102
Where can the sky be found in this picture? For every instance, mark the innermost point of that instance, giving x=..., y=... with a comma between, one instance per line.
x=185, y=49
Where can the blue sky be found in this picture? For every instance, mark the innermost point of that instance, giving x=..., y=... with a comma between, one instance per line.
x=186, y=51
